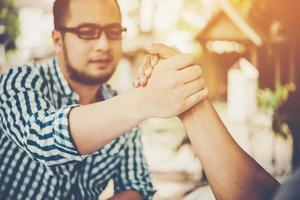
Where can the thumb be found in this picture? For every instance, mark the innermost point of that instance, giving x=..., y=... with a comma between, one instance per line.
x=163, y=51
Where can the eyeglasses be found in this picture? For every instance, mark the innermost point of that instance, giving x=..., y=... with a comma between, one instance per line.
x=93, y=31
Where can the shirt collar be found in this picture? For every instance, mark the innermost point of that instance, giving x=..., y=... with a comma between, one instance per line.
x=61, y=83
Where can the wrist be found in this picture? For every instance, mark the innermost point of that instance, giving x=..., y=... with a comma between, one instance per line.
x=201, y=109
x=140, y=101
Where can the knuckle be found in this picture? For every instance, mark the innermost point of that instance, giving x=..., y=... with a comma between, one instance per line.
x=143, y=79
x=198, y=83
x=164, y=64
x=144, y=67
x=188, y=57
x=205, y=91
x=145, y=59
x=152, y=60
x=199, y=70
x=201, y=82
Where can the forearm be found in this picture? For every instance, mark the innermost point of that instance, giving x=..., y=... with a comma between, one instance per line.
x=226, y=165
x=127, y=195
x=95, y=125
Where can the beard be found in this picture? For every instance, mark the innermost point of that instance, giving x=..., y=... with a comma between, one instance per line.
x=83, y=76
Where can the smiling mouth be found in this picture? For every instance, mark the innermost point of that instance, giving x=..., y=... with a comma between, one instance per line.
x=101, y=63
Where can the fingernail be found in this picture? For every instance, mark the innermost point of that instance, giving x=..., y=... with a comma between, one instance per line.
x=136, y=83
x=148, y=72
x=154, y=60
x=133, y=84
x=142, y=80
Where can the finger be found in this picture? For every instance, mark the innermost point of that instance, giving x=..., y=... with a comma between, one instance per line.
x=143, y=69
x=148, y=72
x=161, y=50
x=195, y=98
x=154, y=60
x=143, y=66
x=147, y=69
x=146, y=62
x=179, y=61
x=190, y=73
x=175, y=48
x=136, y=83
x=142, y=78
x=143, y=81
x=194, y=86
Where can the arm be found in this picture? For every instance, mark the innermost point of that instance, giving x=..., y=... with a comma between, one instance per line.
x=54, y=136
x=133, y=173
x=107, y=120
x=29, y=118
x=127, y=195
x=231, y=172
x=95, y=125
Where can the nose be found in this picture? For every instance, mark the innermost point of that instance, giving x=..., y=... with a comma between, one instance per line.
x=102, y=44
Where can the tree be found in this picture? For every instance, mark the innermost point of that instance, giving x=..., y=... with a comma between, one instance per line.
x=9, y=24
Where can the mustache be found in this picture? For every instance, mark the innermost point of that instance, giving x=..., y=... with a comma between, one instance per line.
x=102, y=57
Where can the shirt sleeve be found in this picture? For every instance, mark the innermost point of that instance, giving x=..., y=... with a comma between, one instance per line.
x=133, y=172
x=30, y=120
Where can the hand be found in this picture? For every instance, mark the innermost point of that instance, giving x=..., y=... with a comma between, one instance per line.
x=151, y=60
x=176, y=84
x=145, y=70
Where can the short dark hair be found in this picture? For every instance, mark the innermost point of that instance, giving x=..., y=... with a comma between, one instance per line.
x=60, y=12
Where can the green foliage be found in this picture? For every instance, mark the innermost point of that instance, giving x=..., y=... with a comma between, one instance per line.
x=188, y=27
x=9, y=23
x=269, y=100
x=246, y=6
x=243, y=5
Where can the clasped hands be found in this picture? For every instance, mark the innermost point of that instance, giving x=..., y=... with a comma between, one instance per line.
x=173, y=83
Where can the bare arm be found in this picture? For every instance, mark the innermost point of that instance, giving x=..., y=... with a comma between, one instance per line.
x=95, y=125
x=92, y=126
x=127, y=195
x=231, y=172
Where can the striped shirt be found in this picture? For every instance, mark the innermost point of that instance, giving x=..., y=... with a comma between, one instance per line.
x=38, y=158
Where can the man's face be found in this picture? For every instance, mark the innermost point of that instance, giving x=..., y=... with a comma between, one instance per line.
x=93, y=61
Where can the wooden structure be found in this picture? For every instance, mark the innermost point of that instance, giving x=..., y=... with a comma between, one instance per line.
x=229, y=36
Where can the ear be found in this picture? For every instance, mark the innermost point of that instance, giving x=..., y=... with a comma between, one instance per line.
x=58, y=41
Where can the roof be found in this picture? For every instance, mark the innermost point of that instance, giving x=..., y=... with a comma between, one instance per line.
x=228, y=14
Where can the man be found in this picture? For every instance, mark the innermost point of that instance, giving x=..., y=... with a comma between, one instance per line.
x=64, y=133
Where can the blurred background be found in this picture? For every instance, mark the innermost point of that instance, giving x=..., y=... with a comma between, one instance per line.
x=248, y=49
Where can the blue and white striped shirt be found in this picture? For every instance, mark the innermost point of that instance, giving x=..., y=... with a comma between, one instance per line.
x=38, y=158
